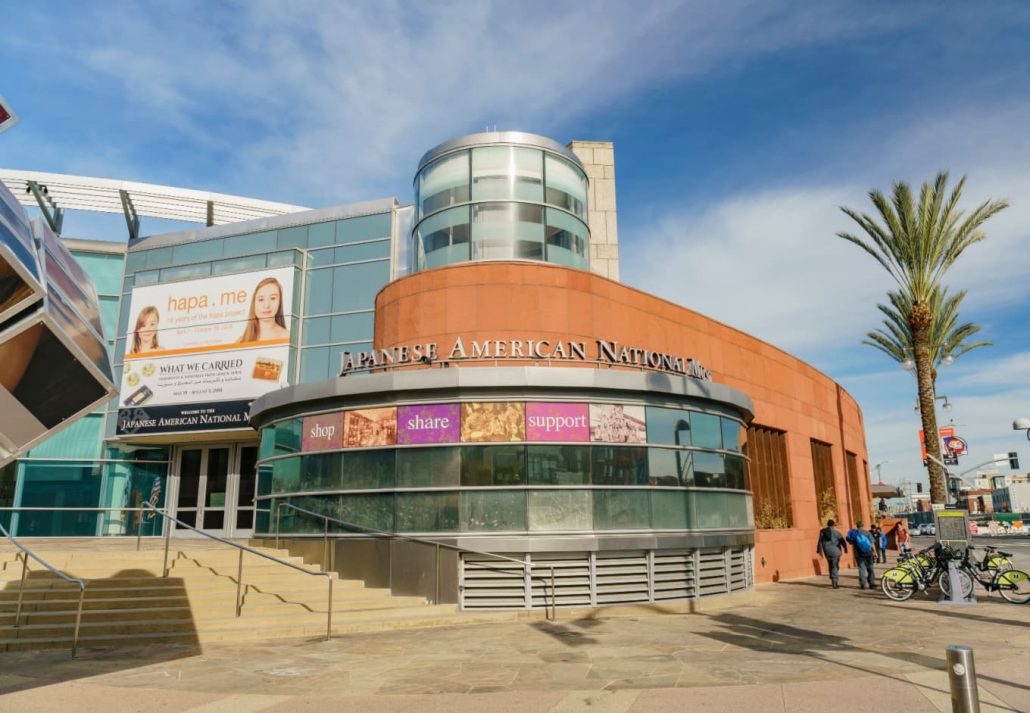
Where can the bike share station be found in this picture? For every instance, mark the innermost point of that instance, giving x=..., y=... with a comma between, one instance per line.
x=952, y=527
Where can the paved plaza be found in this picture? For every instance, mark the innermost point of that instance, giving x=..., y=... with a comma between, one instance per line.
x=799, y=646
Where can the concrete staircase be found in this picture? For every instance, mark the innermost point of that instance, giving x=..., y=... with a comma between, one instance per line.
x=128, y=602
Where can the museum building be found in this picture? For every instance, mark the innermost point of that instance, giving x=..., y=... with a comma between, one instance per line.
x=466, y=370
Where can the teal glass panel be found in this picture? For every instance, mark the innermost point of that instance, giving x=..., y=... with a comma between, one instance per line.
x=135, y=261
x=707, y=430
x=355, y=286
x=46, y=484
x=566, y=185
x=314, y=364
x=105, y=270
x=442, y=183
x=553, y=510
x=353, y=327
x=739, y=510
x=559, y=465
x=285, y=475
x=669, y=510
x=493, y=510
x=83, y=439
x=197, y=251
x=295, y=237
x=321, y=471
x=621, y=510
x=158, y=257
x=567, y=241
x=364, y=470
x=318, y=258
x=735, y=473
x=239, y=264
x=619, y=465
x=316, y=330
x=318, y=292
x=368, y=227
x=428, y=467
x=123, y=451
x=713, y=510
x=500, y=172
x=670, y=467
x=281, y=438
x=731, y=435
x=128, y=485
x=507, y=230
x=264, y=484
x=443, y=239
x=8, y=484
x=493, y=465
x=149, y=277
x=669, y=426
x=374, y=511
x=286, y=257
x=186, y=272
x=427, y=512
x=109, y=316
x=363, y=251
x=321, y=234
x=249, y=244
x=709, y=470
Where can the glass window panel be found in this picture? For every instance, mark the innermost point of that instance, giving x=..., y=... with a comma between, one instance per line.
x=366, y=227
x=352, y=327
x=621, y=510
x=442, y=183
x=249, y=244
x=355, y=286
x=428, y=467
x=238, y=264
x=314, y=364
x=318, y=258
x=363, y=251
x=493, y=465
x=285, y=475
x=195, y=252
x=72, y=484
x=318, y=297
x=295, y=237
x=321, y=234
x=669, y=510
x=670, y=468
x=374, y=510
x=159, y=257
x=285, y=437
x=567, y=241
x=566, y=185
x=444, y=237
x=619, y=465
x=507, y=172
x=322, y=471
x=731, y=434
x=317, y=330
x=427, y=512
x=735, y=473
x=150, y=277
x=285, y=257
x=369, y=469
x=559, y=510
x=506, y=230
x=668, y=425
x=707, y=430
x=712, y=510
x=134, y=261
x=709, y=470
x=171, y=274
x=559, y=465
x=498, y=510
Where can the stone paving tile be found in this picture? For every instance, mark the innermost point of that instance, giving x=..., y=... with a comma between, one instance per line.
x=765, y=698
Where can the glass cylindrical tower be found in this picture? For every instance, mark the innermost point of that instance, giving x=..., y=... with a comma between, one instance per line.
x=503, y=195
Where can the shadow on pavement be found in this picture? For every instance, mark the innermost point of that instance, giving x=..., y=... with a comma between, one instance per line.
x=564, y=634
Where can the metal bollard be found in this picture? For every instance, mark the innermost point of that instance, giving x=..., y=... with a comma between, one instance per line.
x=962, y=675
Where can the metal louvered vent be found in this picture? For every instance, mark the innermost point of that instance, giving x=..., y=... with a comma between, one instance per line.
x=587, y=579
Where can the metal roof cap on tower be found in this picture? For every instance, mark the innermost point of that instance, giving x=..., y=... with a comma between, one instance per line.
x=495, y=138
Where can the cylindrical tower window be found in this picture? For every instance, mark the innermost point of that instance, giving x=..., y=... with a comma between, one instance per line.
x=505, y=231
x=566, y=185
x=444, y=182
x=507, y=172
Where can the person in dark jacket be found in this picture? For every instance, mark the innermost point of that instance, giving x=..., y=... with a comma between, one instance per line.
x=831, y=546
x=862, y=541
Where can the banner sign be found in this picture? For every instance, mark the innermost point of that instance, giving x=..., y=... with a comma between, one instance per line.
x=370, y=427
x=558, y=422
x=615, y=423
x=207, y=342
x=321, y=433
x=949, y=455
x=493, y=422
x=436, y=423
x=179, y=418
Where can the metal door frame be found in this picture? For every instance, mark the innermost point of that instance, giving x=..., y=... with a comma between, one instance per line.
x=231, y=487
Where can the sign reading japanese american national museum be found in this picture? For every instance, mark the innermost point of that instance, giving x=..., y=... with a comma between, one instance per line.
x=198, y=352
x=603, y=352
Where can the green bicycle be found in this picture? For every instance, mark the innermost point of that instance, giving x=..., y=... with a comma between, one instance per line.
x=994, y=573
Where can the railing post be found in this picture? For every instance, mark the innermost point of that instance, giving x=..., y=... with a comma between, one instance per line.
x=168, y=537
x=278, y=515
x=329, y=614
x=139, y=518
x=78, y=621
x=21, y=589
x=554, y=602
x=239, y=585
x=436, y=600
x=325, y=544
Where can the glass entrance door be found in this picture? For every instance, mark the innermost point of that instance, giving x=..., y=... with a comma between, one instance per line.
x=215, y=489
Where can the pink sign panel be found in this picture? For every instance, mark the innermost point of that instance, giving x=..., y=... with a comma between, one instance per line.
x=323, y=432
x=435, y=423
x=558, y=422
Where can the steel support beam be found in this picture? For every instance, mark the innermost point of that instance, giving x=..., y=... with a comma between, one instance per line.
x=131, y=216
x=54, y=215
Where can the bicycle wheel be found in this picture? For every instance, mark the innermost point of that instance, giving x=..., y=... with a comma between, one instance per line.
x=944, y=581
x=898, y=584
x=1014, y=585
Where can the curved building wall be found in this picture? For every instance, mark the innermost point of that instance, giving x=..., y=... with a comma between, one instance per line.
x=807, y=437
x=500, y=196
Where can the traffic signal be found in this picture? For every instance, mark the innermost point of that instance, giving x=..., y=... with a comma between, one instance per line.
x=919, y=487
x=1013, y=460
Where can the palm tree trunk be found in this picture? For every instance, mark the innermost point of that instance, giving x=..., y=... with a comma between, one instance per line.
x=927, y=408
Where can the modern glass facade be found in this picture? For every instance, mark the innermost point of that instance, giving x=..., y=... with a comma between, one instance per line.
x=500, y=196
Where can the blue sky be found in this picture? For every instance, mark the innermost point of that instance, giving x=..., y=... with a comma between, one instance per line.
x=739, y=130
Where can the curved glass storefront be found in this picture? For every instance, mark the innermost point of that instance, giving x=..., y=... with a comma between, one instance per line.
x=500, y=196
x=508, y=467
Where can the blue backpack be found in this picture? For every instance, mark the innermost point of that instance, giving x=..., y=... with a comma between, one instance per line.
x=862, y=542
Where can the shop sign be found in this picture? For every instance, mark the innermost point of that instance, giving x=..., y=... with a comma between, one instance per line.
x=433, y=423
x=604, y=352
x=198, y=352
x=322, y=432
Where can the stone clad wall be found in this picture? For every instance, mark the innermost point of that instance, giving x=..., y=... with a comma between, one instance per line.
x=598, y=159
x=502, y=300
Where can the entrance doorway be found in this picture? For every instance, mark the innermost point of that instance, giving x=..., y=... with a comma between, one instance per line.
x=214, y=488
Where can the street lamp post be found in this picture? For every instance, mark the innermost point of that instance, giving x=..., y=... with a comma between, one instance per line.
x=1022, y=424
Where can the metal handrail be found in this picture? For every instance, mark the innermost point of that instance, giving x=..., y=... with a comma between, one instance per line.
x=25, y=554
x=526, y=566
x=239, y=571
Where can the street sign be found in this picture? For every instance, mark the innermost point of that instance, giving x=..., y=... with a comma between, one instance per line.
x=951, y=446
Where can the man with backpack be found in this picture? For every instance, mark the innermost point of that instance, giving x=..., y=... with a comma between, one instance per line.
x=831, y=546
x=862, y=541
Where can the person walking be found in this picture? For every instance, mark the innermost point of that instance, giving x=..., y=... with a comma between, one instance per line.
x=904, y=539
x=874, y=531
x=881, y=545
x=862, y=541
x=831, y=546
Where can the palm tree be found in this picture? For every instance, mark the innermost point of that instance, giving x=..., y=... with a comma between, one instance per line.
x=916, y=243
x=948, y=339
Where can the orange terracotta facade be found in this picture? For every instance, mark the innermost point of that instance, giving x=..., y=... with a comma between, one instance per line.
x=519, y=300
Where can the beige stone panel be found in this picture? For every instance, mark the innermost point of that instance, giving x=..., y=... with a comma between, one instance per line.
x=605, y=156
x=586, y=154
x=604, y=194
x=594, y=171
x=612, y=227
x=609, y=171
